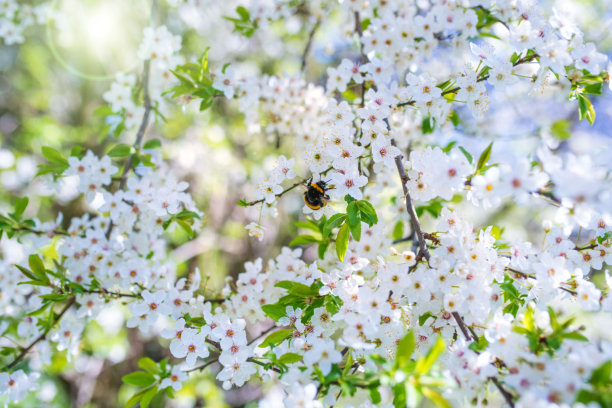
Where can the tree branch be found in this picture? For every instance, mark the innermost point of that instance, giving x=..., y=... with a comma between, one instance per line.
x=414, y=219
x=40, y=338
x=139, y=136
x=311, y=35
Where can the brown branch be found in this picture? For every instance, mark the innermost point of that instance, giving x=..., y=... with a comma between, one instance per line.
x=139, y=136
x=503, y=391
x=40, y=338
x=251, y=203
x=462, y=326
x=507, y=396
x=414, y=219
x=311, y=35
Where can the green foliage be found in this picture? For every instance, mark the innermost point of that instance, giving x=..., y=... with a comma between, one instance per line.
x=513, y=299
x=243, y=23
x=542, y=340
x=600, y=391
x=561, y=129
x=195, y=82
x=467, y=155
x=301, y=296
x=57, y=162
x=410, y=379
x=184, y=219
x=120, y=150
x=585, y=109
x=434, y=208
x=484, y=157
x=276, y=338
x=148, y=380
x=349, y=224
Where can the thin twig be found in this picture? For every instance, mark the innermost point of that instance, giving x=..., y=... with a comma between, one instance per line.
x=139, y=136
x=507, y=396
x=462, y=326
x=414, y=219
x=503, y=391
x=311, y=35
x=40, y=338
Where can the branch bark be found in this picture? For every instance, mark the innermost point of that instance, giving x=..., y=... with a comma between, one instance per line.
x=42, y=336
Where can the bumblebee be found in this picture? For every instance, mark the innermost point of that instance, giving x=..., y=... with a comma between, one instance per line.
x=314, y=196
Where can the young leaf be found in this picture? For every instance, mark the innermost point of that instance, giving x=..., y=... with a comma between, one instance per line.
x=289, y=358
x=53, y=156
x=342, y=241
x=274, y=311
x=334, y=222
x=37, y=267
x=149, y=365
x=276, y=338
x=303, y=240
x=20, y=206
x=484, y=157
x=405, y=350
x=120, y=150
x=139, y=378
x=152, y=144
x=585, y=109
x=467, y=155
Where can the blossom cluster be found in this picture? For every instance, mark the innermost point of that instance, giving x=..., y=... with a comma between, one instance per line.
x=15, y=18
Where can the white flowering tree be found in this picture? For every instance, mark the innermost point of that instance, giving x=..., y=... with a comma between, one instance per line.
x=308, y=204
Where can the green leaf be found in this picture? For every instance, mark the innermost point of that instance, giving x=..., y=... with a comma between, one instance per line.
x=308, y=225
x=342, y=241
x=274, y=311
x=322, y=248
x=37, y=267
x=20, y=206
x=120, y=150
x=405, y=350
x=399, y=396
x=298, y=289
x=149, y=365
x=467, y=155
x=428, y=125
x=77, y=151
x=147, y=397
x=303, y=240
x=398, y=230
x=367, y=212
x=595, y=88
x=423, y=318
x=574, y=336
x=27, y=273
x=152, y=144
x=435, y=397
x=139, y=378
x=484, y=157
x=449, y=147
x=243, y=24
x=601, y=375
x=103, y=111
x=561, y=129
x=277, y=337
x=334, y=222
x=424, y=364
x=53, y=156
x=289, y=358
x=585, y=109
